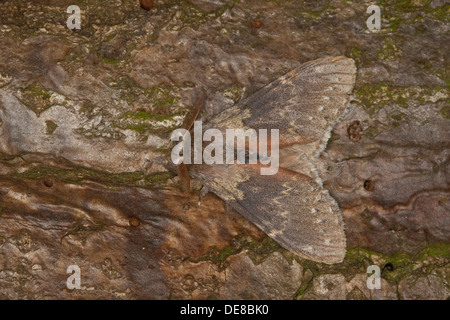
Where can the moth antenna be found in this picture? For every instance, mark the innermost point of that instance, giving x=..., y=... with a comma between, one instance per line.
x=185, y=179
x=203, y=192
x=192, y=115
x=183, y=172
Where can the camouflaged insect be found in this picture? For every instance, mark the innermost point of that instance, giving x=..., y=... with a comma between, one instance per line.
x=292, y=207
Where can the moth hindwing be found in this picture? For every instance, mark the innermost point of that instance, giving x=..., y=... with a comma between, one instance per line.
x=292, y=207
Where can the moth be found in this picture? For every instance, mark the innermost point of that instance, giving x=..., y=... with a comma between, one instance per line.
x=292, y=206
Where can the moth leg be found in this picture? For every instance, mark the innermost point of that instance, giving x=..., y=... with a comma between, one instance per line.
x=203, y=192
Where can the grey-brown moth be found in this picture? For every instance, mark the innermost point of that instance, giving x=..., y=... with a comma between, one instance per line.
x=292, y=207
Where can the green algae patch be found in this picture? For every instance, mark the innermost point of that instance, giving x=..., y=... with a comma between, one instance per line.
x=375, y=97
x=437, y=250
x=440, y=13
x=145, y=122
x=218, y=257
x=107, y=61
x=82, y=230
x=445, y=112
x=405, y=12
x=50, y=127
x=78, y=175
x=394, y=268
x=154, y=110
x=161, y=97
x=388, y=51
x=36, y=98
x=142, y=115
x=257, y=250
